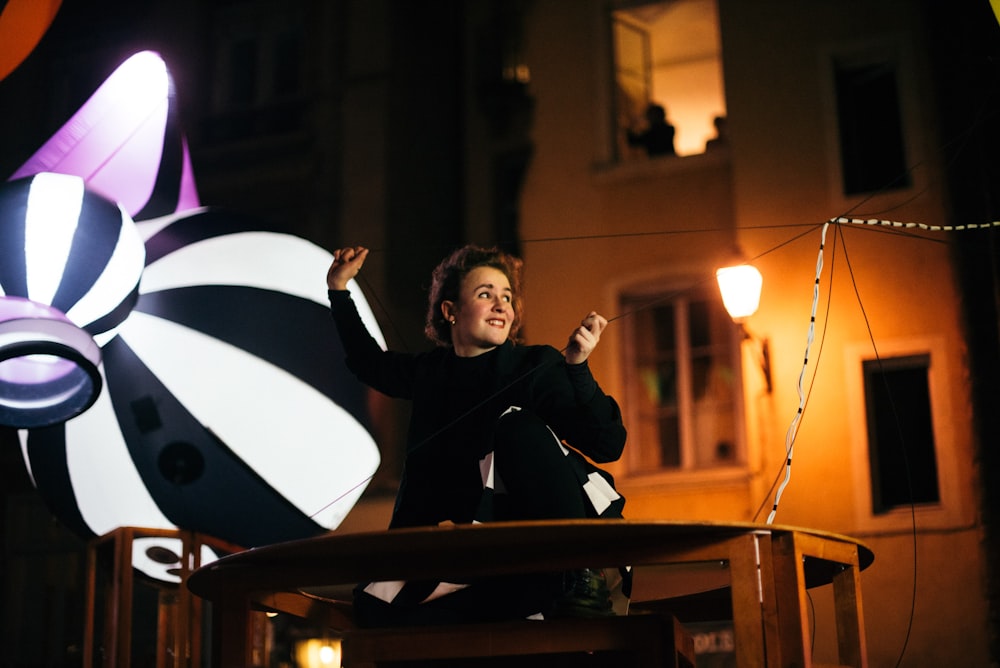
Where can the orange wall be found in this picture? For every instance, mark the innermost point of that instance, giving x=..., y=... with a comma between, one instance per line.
x=778, y=180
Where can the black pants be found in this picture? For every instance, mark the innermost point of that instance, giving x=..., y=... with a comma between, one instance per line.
x=538, y=480
x=534, y=480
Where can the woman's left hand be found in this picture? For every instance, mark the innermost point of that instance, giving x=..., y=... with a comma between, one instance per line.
x=584, y=338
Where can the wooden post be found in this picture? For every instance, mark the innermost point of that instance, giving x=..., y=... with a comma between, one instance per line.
x=179, y=613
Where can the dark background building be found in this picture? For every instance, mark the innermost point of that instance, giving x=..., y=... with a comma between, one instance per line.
x=340, y=122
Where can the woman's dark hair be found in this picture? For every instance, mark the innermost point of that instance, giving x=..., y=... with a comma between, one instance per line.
x=446, y=280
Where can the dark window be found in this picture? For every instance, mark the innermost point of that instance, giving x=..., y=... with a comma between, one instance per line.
x=872, y=151
x=900, y=432
x=259, y=59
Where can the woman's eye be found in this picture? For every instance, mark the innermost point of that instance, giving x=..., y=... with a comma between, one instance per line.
x=507, y=298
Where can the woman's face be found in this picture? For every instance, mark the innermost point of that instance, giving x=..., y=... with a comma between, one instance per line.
x=483, y=314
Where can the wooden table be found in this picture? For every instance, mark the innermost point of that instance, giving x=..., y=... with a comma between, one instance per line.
x=769, y=568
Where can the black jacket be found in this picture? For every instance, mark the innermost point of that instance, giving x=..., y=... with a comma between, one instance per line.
x=456, y=402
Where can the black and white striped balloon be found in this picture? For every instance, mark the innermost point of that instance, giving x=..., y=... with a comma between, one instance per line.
x=224, y=406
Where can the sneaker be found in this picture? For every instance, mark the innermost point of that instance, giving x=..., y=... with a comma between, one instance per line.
x=584, y=594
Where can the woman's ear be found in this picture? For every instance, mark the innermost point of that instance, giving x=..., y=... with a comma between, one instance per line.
x=448, y=310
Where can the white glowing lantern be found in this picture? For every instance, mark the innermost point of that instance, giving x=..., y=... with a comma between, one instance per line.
x=71, y=260
x=740, y=286
x=226, y=407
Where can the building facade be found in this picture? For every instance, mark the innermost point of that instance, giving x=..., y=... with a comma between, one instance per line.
x=860, y=418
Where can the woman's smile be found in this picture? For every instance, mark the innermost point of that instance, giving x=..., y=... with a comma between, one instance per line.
x=482, y=316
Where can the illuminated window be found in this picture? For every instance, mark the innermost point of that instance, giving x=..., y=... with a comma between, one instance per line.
x=900, y=432
x=669, y=54
x=682, y=384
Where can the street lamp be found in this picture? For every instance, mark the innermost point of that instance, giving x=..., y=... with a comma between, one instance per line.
x=740, y=286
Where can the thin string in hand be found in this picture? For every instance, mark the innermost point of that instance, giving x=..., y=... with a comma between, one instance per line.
x=392, y=323
x=347, y=493
x=871, y=223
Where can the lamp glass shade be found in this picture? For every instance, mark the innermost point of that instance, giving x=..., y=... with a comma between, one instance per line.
x=740, y=286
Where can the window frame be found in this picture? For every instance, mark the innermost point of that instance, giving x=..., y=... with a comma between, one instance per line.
x=884, y=448
x=894, y=47
x=676, y=81
x=860, y=138
x=272, y=105
x=658, y=292
x=625, y=107
x=950, y=439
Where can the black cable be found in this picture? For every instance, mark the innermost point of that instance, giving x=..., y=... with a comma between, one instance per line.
x=905, y=458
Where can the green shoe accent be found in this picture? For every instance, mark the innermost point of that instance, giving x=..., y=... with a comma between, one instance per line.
x=584, y=594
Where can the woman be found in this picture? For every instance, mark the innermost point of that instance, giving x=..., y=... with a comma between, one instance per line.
x=484, y=441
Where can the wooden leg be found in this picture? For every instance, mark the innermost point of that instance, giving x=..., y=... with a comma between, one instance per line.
x=790, y=552
x=233, y=647
x=748, y=616
x=90, y=623
x=790, y=592
x=120, y=623
x=850, y=620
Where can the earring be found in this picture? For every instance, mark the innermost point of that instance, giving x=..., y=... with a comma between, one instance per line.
x=452, y=321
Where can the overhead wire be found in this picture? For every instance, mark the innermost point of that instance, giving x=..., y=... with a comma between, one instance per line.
x=793, y=429
x=870, y=223
x=804, y=401
x=529, y=372
x=903, y=451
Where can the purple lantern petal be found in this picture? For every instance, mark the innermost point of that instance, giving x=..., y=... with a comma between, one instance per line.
x=126, y=143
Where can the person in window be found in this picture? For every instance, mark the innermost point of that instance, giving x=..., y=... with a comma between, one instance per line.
x=721, y=138
x=487, y=437
x=658, y=137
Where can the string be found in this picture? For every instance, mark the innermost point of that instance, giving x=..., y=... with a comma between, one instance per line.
x=610, y=235
x=538, y=367
x=894, y=225
x=790, y=436
x=921, y=226
x=793, y=427
x=815, y=375
x=840, y=220
x=905, y=458
x=340, y=498
x=871, y=224
x=392, y=323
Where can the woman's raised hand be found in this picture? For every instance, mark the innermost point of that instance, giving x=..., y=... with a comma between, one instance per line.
x=584, y=338
x=346, y=264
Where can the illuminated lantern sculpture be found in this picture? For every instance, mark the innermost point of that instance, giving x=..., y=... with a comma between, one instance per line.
x=223, y=403
x=51, y=233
